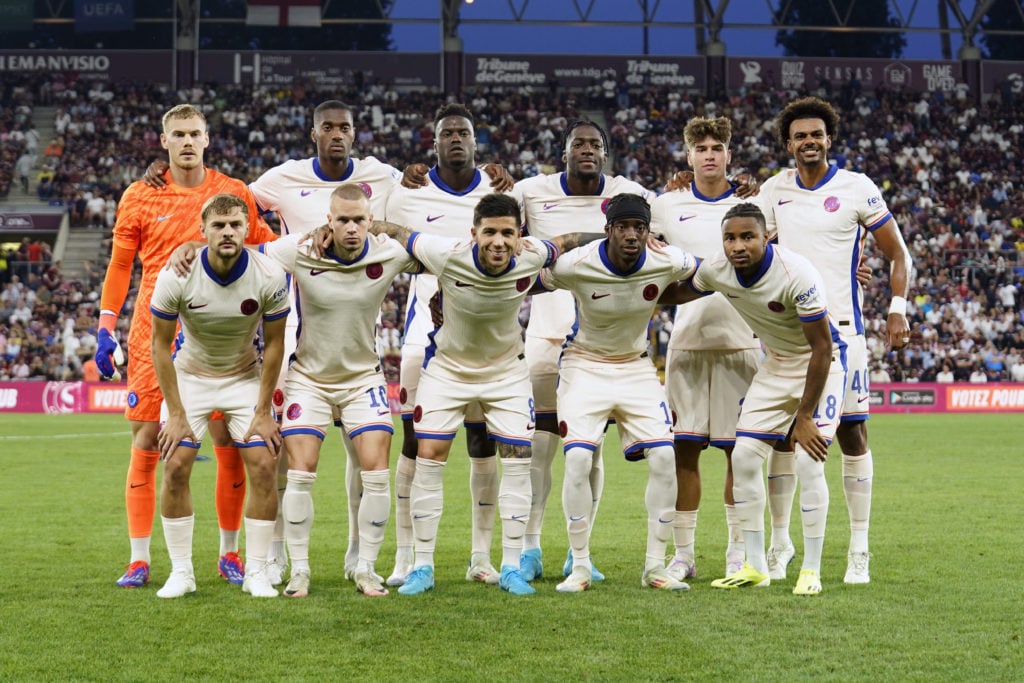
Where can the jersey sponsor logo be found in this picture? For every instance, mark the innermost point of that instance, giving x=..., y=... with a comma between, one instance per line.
x=374, y=271
x=294, y=411
x=651, y=292
x=460, y=283
x=249, y=306
x=776, y=307
x=831, y=204
x=192, y=306
x=317, y=271
x=595, y=296
x=431, y=219
x=813, y=291
x=367, y=190
x=160, y=219
x=306, y=193
x=548, y=207
x=783, y=202
x=686, y=218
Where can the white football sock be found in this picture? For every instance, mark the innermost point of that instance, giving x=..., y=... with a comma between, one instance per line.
x=735, y=533
x=483, y=491
x=578, y=502
x=257, y=542
x=229, y=541
x=404, y=473
x=354, y=491
x=858, y=472
x=813, y=506
x=545, y=446
x=660, y=499
x=373, y=513
x=297, y=506
x=684, y=528
x=426, y=501
x=514, y=503
x=749, y=494
x=596, y=481
x=140, y=548
x=781, y=491
x=178, y=538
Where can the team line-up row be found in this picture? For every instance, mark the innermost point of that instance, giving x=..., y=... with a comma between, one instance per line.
x=584, y=360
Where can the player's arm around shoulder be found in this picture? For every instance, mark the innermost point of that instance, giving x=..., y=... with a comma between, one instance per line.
x=689, y=288
x=285, y=251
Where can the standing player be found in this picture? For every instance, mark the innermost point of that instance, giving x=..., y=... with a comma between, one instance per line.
x=336, y=371
x=798, y=388
x=443, y=207
x=824, y=214
x=214, y=367
x=606, y=374
x=152, y=223
x=552, y=205
x=712, y=354
x=476, y=360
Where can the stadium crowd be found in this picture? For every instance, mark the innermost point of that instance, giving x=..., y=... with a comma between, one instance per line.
x=947, y=167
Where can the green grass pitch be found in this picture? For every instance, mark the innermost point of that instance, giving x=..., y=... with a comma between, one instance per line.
x=945, y=602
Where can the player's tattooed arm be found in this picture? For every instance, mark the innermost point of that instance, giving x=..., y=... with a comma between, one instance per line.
x=507, y=450
x=572, y=240
x=392, y=230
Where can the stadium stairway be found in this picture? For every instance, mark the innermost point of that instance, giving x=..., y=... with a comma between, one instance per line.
x=42, y=118
x=82, y=245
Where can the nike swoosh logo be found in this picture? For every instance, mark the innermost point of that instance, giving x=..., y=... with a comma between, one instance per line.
x=431, y=219
x=163, y=218
x=484, y=505
x=861, y=399
x=731, y=296
x=238, y=485
x=665, y=521
x=531, y=426
x=193, y=307
x=420, y=516
x=383, y=412
x=773, y=476
x=518, y=517
x=317, y=271
x=135, y=486
x=550, y=206
x=863, y=479
x=380, y=523
x=574, y=518
x=783, y=202
x=686, y=218
x=464, y=284
x=803, y=509
x=595, y=296
x=822, y=425
x=305, y=193
x=401, y=497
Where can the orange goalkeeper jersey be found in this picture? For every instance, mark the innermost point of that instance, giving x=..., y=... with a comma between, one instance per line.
x=153, y=223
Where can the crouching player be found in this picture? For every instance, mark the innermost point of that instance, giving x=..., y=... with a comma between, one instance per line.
x=214, y=366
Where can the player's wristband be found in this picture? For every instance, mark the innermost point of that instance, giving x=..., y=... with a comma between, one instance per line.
x=898, y=305
x=108, y=320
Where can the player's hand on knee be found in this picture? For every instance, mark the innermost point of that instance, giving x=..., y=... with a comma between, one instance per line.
x=265, y=427
x=808, y=435
x=172, y=433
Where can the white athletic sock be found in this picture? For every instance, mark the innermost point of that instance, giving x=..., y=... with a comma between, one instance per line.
x=545, y=446
x=277, y=549
x=257, y=542
x=596, y=482
x=813, y=506
x=514, y=505
x=404, y=473
x=354, y=490
x=660, y=499
x=229, y=541
x=373, y=513
x=140, y=549
x=178, y=538
x=735, y=532
x=297, y=504
x=426, y=501
x=483, y=491
x=577, y=502
x=749, y=495
x=684, y=528
x=781, y=491
x=858, y=472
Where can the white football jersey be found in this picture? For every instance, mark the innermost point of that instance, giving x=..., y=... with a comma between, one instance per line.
x=826, y=224
x=338, y=303
x=786, y=291
x=550, y=210
x=300, y=194
x=219, y=318
x=435, y=209
x=614, y=308
x=693, y=222
x=481, y=339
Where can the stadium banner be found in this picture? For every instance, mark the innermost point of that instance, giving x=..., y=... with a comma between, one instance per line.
x=575, y=71
x=150, y=66
x=104, y=15
x=791, y=73
x=16, y=15
x=408, y=69
x=25, y=220
x=1006, y=78
x=63, y=397
x=947, y=398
